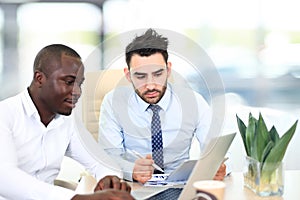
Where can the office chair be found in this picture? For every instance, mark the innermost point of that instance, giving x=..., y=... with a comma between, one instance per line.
x=96, y=85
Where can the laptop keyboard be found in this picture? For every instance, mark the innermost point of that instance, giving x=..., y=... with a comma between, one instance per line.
x=168, y=194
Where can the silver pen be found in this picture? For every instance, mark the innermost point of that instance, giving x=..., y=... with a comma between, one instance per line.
x=140, y=156
x=225, y=159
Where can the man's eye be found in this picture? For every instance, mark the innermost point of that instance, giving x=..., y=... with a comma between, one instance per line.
x=140, y=77
x=158, y=74
x=69, y=82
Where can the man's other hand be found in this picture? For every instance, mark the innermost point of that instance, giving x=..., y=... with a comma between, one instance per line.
x=221, y=173
x=109, y=194
x=112, y=182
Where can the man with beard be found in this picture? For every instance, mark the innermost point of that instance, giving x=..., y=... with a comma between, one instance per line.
x=37, y=130
x=157, y=119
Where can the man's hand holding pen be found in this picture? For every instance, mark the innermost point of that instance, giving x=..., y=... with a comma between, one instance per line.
x=143, y=169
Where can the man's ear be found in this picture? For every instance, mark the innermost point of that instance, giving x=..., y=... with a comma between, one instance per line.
x=127, y=74
x=169, y=68
x=39, y=78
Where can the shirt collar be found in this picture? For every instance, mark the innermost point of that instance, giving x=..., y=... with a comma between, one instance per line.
x=28, y=104
x=163, y=103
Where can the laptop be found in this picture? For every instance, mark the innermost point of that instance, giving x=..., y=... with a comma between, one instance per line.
x=205, y=169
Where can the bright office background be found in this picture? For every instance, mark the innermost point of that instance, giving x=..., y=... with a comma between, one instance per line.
x=255, y=44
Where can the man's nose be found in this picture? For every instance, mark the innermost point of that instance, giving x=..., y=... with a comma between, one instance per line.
x=150, y=84
x=76, y=90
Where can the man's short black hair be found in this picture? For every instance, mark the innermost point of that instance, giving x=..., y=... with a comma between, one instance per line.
x=51, y=53
x=147, y=44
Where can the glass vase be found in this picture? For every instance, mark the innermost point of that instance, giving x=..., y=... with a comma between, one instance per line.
x=264, y=179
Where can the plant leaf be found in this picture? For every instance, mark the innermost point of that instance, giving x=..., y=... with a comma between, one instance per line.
x=274, y=134
x=242, y=128
x=250, y=137
x=267, y=150
x=277, y=152
x=262, y=137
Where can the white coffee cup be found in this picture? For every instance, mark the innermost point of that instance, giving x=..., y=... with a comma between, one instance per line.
x=210, y=189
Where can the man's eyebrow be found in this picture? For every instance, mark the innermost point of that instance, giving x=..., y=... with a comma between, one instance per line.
x=157, y=71
x=70, y=76
x=74, y=77
x=139, y=73
x=144, y=73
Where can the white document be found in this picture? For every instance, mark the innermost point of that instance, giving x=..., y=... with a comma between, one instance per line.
x=178, y=177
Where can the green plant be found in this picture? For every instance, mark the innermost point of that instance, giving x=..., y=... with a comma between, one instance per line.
x=262, y=144
x=265, y=146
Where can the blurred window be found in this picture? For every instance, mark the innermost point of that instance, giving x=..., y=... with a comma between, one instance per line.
x=1, y=41
x=74, y=24
x=254, y=44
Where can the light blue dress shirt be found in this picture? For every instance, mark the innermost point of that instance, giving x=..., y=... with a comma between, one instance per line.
x=125, y=123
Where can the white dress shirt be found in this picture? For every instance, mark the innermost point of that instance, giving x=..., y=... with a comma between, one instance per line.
x=31, y=154
x=125, y=123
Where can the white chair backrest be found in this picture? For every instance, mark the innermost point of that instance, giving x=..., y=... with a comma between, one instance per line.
x=96, y=85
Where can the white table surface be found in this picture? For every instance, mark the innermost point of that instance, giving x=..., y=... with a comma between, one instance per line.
x=235, y=189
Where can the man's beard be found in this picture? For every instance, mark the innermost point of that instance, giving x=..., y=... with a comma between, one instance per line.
x=156, y=99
